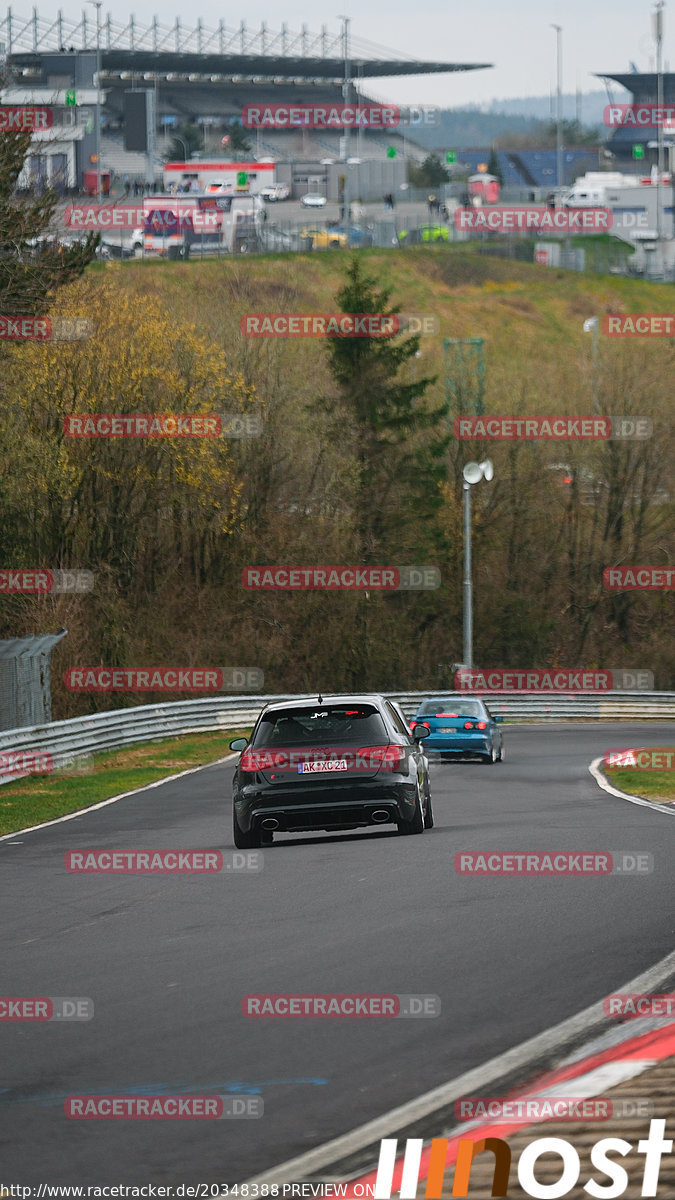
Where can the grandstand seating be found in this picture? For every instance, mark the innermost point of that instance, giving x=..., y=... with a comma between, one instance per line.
x=533, y=168
x=124, y=162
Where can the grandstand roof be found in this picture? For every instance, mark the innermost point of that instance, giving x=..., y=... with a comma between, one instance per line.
x=266, y=66
x=226, y=50
x=644, y=87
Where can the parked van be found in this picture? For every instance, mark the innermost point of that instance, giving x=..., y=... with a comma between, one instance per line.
x=608, y=187
x=177, y=226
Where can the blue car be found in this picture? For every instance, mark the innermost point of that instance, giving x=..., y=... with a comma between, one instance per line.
x=459, y=725
x=355, y=236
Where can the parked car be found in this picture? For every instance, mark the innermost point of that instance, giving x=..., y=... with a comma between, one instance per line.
x=425, y=233
x=321, y=238
x=279, y=239
x=275, y=191
x=313, y=200
x=356, y=236
x=334, y=763
x=105, y=250
x=458, y=725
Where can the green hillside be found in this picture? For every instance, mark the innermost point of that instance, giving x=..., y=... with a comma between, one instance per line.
x=168, y=525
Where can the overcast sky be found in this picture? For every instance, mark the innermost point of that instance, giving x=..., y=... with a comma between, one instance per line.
x=598, y=35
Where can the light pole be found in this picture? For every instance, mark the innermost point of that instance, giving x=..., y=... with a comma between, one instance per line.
x=97, y=5
x=591, y=326
x=658, y=38
x=176, y=138
x=346, y=203
x=473, y=472
x=558, y=115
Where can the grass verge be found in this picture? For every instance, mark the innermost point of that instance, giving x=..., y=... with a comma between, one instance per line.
x=658, y=786
x=39, y=798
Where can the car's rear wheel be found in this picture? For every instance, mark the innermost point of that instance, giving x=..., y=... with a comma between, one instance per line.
x=492, y=757
x=417, y=823
x=429, y=814
x=500, y=756
x=242, y=840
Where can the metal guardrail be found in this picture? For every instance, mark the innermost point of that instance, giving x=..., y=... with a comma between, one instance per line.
x=80, y=736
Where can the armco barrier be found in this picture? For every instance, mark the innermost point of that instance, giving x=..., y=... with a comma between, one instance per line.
x=155, y=722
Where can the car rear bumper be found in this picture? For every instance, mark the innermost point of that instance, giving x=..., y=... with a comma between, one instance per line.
x=334, y=807
x=464, y=743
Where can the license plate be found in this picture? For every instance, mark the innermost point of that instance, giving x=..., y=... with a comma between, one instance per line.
x=447, y=730
x=318, y=768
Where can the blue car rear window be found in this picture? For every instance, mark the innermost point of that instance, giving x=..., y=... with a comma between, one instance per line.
x=462, y=708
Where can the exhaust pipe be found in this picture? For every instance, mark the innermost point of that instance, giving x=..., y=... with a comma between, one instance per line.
x=270, y=823
x=380, y=815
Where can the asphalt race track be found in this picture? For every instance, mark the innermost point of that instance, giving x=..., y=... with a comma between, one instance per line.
x=167, y=959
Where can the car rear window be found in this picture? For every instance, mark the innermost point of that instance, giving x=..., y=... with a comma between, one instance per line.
x=325, y=725
x=461, y=708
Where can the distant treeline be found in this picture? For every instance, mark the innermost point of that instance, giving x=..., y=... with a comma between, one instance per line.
x=461, y=128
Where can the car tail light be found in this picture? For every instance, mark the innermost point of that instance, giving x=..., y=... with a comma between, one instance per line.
x=391, y=758
x=447, y=714
x=482, y=724
x=468, y=725
x=257, y=760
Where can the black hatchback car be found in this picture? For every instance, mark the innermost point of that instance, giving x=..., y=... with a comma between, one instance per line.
x=332, y=763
